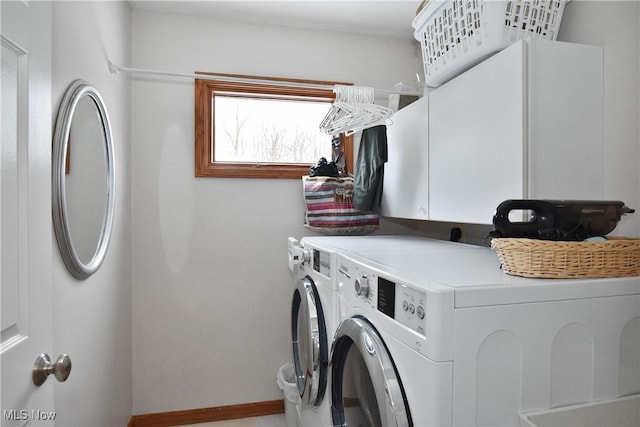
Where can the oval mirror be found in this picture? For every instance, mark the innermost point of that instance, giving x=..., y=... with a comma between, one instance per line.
x=83, y=180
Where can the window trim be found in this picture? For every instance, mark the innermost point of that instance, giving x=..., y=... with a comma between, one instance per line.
x=205, y=166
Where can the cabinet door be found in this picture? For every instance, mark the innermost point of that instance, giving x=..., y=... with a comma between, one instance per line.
x=406, y=174
x=476, y=140
x=565, y=86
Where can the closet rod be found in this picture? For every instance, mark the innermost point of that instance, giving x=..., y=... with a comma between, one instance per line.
x=115, y=69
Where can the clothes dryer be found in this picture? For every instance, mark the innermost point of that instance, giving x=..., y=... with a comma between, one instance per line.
x=447, y=339
x=314, y=308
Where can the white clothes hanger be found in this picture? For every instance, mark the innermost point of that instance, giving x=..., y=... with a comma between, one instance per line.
x=353, y=110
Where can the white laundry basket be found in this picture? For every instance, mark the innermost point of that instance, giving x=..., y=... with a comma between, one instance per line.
x=286, y=380
x=457, y=34
x=622, y=412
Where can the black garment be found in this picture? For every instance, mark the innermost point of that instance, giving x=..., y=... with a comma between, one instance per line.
x=369, y=169
x=324, y=168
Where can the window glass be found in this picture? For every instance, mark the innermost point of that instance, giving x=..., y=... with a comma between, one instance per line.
x=249, y=129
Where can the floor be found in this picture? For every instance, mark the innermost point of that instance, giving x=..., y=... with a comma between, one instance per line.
x=267, y=421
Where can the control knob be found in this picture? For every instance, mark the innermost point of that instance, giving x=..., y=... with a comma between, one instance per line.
x=361, y=286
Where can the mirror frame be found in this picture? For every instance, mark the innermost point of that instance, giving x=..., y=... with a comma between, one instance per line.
x=72, y=96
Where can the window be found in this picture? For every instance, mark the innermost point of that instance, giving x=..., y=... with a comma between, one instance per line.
x=256, y=130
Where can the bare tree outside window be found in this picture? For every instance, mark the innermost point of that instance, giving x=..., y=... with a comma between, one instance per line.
x=233, y=132
x=268, y=130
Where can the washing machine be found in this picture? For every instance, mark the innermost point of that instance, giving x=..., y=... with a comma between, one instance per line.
x=447, y=339
x=314, y=308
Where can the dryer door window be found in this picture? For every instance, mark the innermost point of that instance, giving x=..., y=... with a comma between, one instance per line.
x=365, y=387
x=309, y=338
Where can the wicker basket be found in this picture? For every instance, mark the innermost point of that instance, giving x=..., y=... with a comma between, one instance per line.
x=616, y=257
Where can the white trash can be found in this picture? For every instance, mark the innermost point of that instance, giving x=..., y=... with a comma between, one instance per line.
x=286, y=380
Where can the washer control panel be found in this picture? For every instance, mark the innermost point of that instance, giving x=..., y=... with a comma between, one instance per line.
x=322, y=263
x=403, y=303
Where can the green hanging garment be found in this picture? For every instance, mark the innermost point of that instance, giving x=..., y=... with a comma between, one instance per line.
x=369, y=169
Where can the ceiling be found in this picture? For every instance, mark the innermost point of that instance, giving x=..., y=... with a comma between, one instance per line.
x=387, y=18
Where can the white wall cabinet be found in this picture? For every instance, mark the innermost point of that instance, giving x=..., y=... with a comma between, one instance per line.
x=406, y=175
x=525, y=123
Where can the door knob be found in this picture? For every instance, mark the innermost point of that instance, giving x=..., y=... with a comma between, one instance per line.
x=43, y=367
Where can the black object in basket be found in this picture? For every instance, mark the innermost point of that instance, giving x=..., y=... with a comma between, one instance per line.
x=324, y=168
x=568, y=220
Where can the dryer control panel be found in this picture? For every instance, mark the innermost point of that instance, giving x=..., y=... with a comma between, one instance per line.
x=403, y=303
x=417, y=313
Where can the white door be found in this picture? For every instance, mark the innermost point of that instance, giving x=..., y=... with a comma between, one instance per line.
x=406, y=173
x=25, y=210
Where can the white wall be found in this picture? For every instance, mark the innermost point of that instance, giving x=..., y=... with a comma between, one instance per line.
x=614, y=26
x=211, y=288
x=92, y=318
